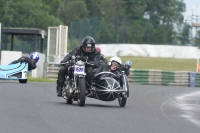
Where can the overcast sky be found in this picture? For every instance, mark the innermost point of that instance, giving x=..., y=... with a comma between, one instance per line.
x=192, y=7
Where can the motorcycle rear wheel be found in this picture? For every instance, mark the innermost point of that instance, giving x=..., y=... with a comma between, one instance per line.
x=122, y=101
x=81, y=92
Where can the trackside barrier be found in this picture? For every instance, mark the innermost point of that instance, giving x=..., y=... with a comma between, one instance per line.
x=168, y=78
x=148, y=77
x=197, y=84
x=52, y=70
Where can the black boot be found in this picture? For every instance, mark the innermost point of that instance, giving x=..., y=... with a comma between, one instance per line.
x=59, y=91
x=59, y=88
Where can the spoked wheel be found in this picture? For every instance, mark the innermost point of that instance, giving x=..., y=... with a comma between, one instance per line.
x=122, y=101
x=81, y=92
x=24, y=81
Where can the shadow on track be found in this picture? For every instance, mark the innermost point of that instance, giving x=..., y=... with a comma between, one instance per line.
x=90, y=105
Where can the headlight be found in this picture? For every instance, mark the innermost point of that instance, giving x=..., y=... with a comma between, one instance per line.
x=81, y=63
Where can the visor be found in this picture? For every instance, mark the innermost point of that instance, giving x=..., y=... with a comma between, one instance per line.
x=115, y=64
x=89, y=45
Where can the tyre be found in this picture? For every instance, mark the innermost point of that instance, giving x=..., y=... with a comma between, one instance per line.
x=23, y=81
x=81, y=92
x=126, y=85
x=122, y=101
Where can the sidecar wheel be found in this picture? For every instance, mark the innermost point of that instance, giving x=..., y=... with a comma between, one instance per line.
x=125, y=83
x=122, y=101
x=24, y=81
x=81, y=92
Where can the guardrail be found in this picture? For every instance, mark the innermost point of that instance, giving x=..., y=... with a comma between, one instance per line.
x=158, y=77
x=148, y=77
x=52, y=70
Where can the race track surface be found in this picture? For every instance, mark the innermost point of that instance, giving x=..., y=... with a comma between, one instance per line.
x=34, y=108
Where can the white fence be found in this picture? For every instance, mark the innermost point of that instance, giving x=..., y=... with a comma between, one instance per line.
x=145, y=50
x=57, y=43
x=8, y=56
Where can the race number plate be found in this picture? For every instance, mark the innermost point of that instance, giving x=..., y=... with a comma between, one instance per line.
x=79, y=69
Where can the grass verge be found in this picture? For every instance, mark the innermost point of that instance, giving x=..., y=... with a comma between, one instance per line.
x=168, y=64
x=31, y=79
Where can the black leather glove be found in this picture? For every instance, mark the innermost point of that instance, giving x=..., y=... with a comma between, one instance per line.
x=90, y=64
x=84, y=58
x=22, y=60
x=78, y=57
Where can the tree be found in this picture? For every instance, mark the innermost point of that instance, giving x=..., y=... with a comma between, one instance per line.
x=197, y=39
x=110, y=21
x=74, y=10
x=119, y=21
x=54, y=6
x=28, y=13
x=5, y=16
x=185, y=35
x=166, y=14
x=95, y=7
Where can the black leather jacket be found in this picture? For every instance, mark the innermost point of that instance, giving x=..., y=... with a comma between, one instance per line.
x=117, y=73
x=93, y=57
x=126, y=70
x=31, y=65
x=103, y=59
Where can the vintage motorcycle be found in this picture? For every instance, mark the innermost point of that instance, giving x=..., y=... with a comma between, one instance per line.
x=105, y=86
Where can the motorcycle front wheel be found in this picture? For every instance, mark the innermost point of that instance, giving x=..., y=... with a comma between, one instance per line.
x=122, y=101
x=81, y=92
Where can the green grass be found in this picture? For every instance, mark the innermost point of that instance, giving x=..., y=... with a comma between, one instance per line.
x=31, y=79
x=168, y=64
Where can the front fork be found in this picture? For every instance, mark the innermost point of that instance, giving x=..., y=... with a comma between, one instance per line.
x=124, y=87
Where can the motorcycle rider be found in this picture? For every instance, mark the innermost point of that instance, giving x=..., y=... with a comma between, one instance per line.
x=103, y=63
x=89, y=53
x=126, y=67
x=114, y=66
x=32, y=60
x=102, y=57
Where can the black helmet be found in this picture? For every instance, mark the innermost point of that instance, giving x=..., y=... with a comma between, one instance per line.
x=88, y=42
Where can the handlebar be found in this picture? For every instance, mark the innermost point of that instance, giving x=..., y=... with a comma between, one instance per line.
x=76, y=58
x=89, y=64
